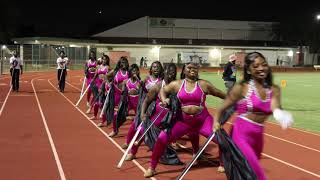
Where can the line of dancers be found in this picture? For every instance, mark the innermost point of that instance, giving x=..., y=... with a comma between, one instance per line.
x=169, y=108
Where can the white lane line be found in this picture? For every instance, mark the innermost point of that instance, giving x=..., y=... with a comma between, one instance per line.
x=54, y=150
x=12, y=95
x=74, y=87
x=287, y=141
x=5, y=77
x=306, y=147
x=291, y=165
x=5, y=100
x=292, y=128
x=104, y=133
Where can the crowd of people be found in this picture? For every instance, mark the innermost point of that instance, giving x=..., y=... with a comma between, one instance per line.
x=175, y=107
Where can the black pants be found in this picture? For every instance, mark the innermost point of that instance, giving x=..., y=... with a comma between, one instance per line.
x=63, y=78
x=15, y=73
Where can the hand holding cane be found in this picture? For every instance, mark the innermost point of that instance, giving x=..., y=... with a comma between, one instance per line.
x=145, y=131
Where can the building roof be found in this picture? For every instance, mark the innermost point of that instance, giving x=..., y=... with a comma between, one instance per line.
x=156, y=27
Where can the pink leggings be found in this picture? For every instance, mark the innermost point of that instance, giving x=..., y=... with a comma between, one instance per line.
x=96, y=107
x=248, y=136
x=190, y=124
x=194, y=137
x=132, y=131
x=133, y=102
x=157, y=116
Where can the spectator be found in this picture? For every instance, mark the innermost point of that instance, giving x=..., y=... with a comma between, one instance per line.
x=229, y=72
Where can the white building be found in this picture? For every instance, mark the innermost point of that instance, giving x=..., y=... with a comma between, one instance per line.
x=174, y=40
x=169, y=39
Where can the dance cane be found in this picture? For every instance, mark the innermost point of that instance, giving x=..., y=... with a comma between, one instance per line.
x=130, y=145
x=184, y=172
x=12, y=74
x=83, y=83
x=104, y=104
x=145, y=131
x=83, y=94
x=61, y=76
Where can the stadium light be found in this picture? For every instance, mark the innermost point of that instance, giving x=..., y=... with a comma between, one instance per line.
x=3, y=47
x=215, y=53
x=156, y=51
x=318, y=17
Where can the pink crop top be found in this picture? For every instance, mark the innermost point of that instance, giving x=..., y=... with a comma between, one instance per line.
x=150, y=83
x=253, y=102
x=195, y=97
x=91, y=64
x=103, y=70
x=132, y=86
x=120, y=77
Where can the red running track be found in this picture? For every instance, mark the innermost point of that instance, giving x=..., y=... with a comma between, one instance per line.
x=44, y=136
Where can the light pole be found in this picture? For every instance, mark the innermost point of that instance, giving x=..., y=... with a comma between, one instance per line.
x=316, y=38
x=1, y=62
x=3, y=47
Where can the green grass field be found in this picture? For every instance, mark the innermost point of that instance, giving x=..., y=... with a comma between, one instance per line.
x=301, y=96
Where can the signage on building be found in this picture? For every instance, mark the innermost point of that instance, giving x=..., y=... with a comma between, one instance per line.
x=162, y=22
x=188, y=56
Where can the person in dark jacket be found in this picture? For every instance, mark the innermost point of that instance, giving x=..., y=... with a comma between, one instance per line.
x=229, y=72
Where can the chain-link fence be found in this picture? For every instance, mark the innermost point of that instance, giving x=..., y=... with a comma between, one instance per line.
x=38, y=57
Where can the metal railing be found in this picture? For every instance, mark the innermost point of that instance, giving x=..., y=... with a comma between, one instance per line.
x=38, y=57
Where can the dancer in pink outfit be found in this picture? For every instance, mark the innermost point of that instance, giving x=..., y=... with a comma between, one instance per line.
x=256, y=97
x=99, y=78
x=155, y=76
x=116, y=76
x=90, y=71
x=195, y=118
x=131, y=87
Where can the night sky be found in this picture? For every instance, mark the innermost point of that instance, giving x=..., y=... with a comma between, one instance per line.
x=82, y=19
